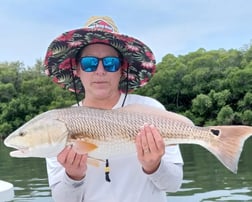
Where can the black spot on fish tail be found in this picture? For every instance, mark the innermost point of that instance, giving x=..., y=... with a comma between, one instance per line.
x=215, y=132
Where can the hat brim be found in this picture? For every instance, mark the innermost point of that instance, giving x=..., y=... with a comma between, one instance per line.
x=60, y=60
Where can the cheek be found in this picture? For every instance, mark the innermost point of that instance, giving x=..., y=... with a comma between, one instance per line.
x=117, y=77
x=84, y=77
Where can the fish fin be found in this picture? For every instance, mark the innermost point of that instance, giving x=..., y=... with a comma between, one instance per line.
x=82, y=147
x=229, y=144
x=94, y=161
x=150, y=110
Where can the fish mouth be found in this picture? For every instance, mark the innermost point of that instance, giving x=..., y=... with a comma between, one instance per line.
x=19, y=152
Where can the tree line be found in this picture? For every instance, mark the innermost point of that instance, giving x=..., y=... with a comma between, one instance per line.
x=209, y=87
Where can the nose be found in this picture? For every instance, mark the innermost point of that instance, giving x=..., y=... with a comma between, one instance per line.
x=100, y=69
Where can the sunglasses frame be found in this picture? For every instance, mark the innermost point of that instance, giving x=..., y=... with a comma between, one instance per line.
x=109, y=68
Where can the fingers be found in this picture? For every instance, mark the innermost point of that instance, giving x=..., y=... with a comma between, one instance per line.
x=69, y=157
x=62, y=156
x=157, y=138
x=139, y=148
x=149, y=140
x=150, y=148
x=146, y=138
x=150, y=136
x=75, y=164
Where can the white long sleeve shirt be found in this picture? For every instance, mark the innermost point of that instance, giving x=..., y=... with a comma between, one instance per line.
x=128, y=181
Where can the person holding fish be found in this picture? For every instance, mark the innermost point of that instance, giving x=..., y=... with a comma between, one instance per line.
x=105, y=65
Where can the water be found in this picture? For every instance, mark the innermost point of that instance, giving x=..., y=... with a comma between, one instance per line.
x=28, y=175
x=205, y=179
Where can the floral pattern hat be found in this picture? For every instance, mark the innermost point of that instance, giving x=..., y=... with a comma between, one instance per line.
x=60, y=60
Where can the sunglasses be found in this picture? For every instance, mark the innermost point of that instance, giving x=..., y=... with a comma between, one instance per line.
x=90, y=63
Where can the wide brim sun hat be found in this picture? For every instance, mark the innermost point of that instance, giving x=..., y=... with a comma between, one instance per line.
x=60, y=60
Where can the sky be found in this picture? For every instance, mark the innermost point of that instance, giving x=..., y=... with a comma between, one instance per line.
x=176, y=27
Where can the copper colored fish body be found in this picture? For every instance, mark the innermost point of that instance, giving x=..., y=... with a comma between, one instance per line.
x=106, y=133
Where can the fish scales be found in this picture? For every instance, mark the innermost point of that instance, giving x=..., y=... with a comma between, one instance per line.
x=108, y=127
x=107, y=133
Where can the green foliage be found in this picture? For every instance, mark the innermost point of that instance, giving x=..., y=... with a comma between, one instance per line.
x=225, y=116
x=25, y=93
x=209, y=87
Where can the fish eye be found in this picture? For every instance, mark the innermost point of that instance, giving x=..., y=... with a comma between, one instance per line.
x=21, y=134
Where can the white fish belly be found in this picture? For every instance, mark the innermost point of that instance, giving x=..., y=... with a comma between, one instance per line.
x=114, y=148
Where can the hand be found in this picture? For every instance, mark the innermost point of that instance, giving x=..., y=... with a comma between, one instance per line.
x=150, y=148
x=75, y=164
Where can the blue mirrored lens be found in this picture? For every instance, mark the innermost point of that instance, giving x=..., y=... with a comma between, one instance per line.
x=111, y=64
x=90, y=63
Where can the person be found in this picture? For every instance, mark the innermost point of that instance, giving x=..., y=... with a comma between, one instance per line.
x=105, y=65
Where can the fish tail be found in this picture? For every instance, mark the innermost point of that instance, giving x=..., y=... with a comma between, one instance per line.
x=229, y=144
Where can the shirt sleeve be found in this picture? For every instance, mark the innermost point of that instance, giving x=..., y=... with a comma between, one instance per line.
x=63, y=188
x=169, y=175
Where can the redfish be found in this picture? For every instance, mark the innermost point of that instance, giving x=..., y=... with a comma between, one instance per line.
x=106, y=133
